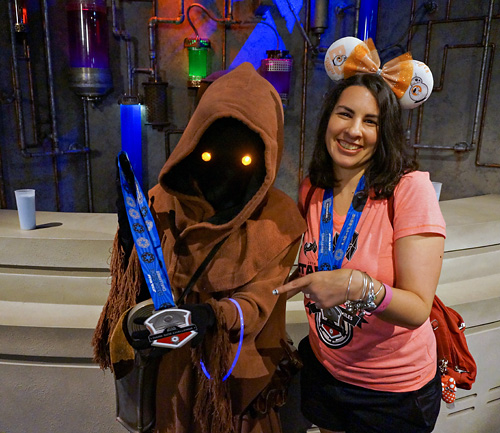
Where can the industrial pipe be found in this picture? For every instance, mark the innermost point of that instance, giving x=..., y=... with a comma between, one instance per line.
x=18, y=96
x=152, y=27
x=297, y=20
x=319, y=17
x=303, y=104
x=481, y=100
x=86, y=150
x=20, y=118
x=125, y=36
x=485, y=75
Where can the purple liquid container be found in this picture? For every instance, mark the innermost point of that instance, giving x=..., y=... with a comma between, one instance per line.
x=88, y=41
x=277, y=69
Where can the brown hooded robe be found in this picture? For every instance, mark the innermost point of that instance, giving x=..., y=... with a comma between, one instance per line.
x=261, y=246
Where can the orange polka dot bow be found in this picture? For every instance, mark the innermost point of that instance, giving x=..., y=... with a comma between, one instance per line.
x=410, y=79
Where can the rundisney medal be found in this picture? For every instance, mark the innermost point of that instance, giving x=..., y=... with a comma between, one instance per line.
x=169, y=327
x=329, y=258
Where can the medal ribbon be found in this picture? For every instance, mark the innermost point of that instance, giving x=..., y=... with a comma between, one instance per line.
x=329, y=259
x=146, y=239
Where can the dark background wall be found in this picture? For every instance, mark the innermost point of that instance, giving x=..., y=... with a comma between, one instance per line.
x=461, y=117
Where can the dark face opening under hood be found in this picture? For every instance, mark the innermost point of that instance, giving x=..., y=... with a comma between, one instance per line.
x=226, y=168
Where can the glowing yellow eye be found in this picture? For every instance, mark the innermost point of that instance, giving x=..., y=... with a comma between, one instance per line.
x=246, y=160
x=206, y=156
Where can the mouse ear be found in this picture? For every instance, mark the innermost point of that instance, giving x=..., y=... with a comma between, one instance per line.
x=420, y=87
x=337, y=55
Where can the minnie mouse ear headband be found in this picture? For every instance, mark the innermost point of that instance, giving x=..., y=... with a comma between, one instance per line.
x=409, y=79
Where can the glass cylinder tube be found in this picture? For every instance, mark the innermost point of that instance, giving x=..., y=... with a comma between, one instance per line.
x=88, y=33
x=20, y=16
x=277, y=69
x=198, y=60
x=88, y=47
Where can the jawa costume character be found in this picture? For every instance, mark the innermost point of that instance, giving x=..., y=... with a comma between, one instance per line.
x=218, y=184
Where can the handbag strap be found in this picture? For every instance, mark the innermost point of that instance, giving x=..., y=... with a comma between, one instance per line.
x=199, y=271
x=307, y=201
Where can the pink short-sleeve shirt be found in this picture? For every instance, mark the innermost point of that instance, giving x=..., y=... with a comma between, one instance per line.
x=375, y=354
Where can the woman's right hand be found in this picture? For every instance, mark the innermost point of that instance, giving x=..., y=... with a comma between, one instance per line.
x=327, y=288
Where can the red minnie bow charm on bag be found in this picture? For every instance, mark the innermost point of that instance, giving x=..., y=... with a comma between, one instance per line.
x=449, y=388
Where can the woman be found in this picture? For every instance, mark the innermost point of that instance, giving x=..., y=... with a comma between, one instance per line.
x=370, y=357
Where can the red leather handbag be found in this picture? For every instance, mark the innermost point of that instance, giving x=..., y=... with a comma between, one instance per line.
x=458, y=368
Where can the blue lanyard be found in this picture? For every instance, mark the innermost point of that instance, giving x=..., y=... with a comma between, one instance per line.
x=329, y=259
x=146, y=239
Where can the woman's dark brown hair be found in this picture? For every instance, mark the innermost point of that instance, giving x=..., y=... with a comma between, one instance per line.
x=391, y=159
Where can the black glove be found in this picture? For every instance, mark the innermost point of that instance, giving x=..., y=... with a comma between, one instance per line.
x=139, y=339
x=203, y=316
x=138, y=335
x=140, y=342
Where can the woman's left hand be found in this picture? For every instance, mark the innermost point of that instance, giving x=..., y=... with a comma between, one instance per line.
x=327, y=289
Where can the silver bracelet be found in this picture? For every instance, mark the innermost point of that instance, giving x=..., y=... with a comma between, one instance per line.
x=352, y=306
x=365, y=286
x=348, y=286
x=367, y=301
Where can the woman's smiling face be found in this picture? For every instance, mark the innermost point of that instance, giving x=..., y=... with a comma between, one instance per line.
x=352, y=132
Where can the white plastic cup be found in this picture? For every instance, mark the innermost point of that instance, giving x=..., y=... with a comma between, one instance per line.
x=437, y=187
x=25, y=200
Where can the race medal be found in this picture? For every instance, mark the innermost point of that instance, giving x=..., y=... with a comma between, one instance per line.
x=171, y=328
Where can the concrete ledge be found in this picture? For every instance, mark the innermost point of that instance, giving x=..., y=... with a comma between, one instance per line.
x=57, y=286
x=35, y=314
x=37, y=343
x=472, y=222
x=74, y=240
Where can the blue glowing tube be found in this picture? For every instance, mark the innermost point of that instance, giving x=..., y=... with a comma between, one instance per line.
x=131, y=129
x=367, y=25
